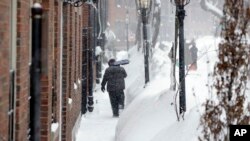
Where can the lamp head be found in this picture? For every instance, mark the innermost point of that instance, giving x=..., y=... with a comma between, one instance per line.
x=180, y=2
x=144, y=3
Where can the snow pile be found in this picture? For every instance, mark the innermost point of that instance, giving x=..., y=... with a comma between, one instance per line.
x=54, y=127
x=98, y=50
x=121, y=55
x=135, y=71
x=150, y=115
x=79, y=81
x=135, y=82
x=75, y=86
x=70, y=100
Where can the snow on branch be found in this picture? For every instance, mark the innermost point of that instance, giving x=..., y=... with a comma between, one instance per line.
x=211, y=8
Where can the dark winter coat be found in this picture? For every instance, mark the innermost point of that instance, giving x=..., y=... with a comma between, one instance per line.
x=187, y=54
x=194, y=51
x=114, y=77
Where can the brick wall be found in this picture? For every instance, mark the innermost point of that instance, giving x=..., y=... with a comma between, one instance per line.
x=118, y=13
x=4, y=66
x=85, y=17
x=70, y=82
x=65, y=70
x=47, y=63
x=75, y=71
x=73, y=23
x=56, y=69
x=84, y=45
x=118, y=20
x=73, y=109
x=57, y=32
x=22, y=69
x=88, y=46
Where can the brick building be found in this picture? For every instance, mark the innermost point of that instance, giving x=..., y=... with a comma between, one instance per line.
x=68, y=73
x=120, y=11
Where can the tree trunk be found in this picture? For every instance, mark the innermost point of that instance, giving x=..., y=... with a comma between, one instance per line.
x=156, y=25
x=173, y=60
x=138, y=35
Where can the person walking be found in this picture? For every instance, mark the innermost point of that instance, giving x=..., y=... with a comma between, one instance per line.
x=187, y=54
x=193, y=52
x=114, y=78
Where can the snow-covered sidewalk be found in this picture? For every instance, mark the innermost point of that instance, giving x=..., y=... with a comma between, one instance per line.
x=98, y=125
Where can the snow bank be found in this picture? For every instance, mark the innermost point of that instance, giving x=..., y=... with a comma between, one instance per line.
x=150, y=113
x=54, y=127
x=98, y=50
x=122, y=55
x=181, y=131
x=135, y=71
x=135, y=82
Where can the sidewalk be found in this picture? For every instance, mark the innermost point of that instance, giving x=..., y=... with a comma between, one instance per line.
x=98, y=125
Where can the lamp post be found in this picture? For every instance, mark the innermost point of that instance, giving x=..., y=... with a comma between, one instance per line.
x=144, y=9
x=35, y=87
x=180, y=4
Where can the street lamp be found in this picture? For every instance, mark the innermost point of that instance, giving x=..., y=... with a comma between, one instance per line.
x=35, y=72
x=144, y=10
x=180, y=4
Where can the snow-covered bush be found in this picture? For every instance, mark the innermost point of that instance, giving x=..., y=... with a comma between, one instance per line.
x=229, y=106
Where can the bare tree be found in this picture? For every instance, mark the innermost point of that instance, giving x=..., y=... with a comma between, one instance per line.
x=138, y=35
x=172, y=55
x=228, y=106
x=156, y=22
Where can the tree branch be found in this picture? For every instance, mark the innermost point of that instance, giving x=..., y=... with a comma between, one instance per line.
x=205, y=5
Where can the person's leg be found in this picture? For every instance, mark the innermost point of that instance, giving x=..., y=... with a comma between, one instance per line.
x=195, y=65
x=114, y=103
x=121, y=100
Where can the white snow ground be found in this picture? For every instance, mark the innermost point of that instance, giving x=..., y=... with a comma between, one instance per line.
x=150, y=114
x=98, y=125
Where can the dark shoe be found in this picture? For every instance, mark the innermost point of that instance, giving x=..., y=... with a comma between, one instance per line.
x=115, y=115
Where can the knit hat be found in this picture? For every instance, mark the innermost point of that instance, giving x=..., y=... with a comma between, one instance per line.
x=111, y=62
